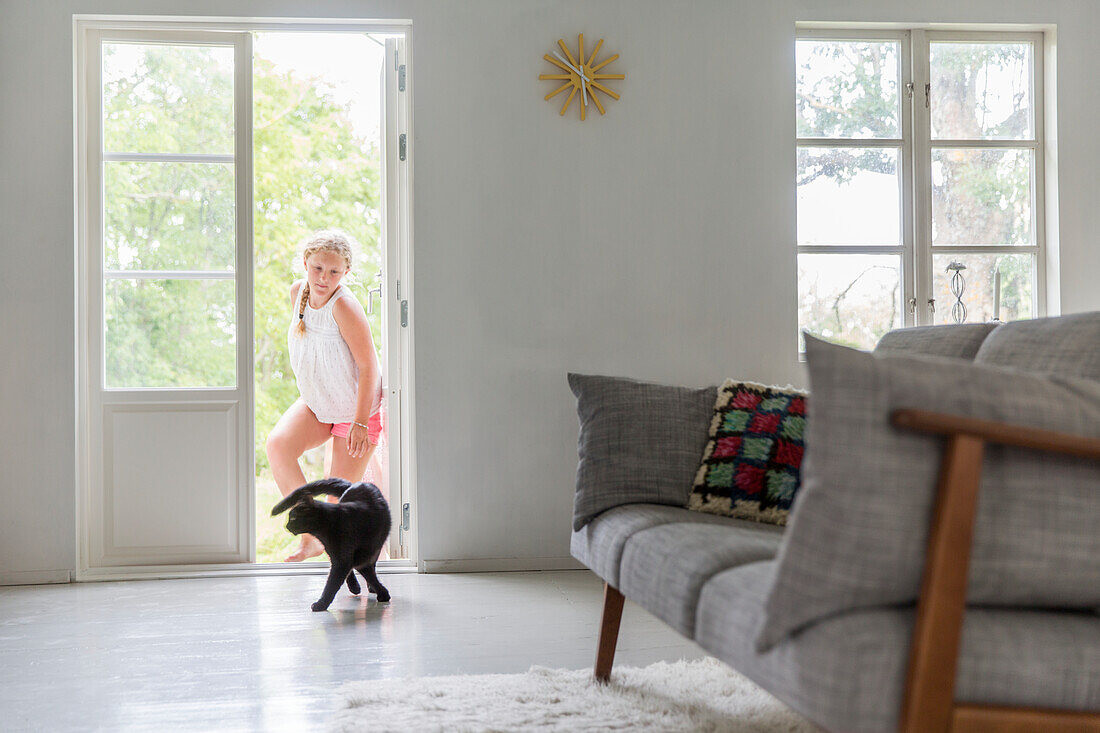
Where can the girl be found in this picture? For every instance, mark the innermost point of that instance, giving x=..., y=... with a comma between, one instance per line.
x=339, y=380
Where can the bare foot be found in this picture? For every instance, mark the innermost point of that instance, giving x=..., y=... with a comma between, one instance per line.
x=310, y=547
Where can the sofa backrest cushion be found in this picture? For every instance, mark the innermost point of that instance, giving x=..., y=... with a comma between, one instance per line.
x=955, y=341
x=857, y=532
x=639, y=442
x=1068, y=345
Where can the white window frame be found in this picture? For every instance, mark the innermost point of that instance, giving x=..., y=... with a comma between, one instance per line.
x=914, y=161
x=905, y=159
x=924, y=146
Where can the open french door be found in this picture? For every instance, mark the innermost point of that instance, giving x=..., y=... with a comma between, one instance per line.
x=164, y=288
x=396, y=286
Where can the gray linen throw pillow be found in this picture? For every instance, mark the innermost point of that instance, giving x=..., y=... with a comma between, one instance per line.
x=639, y=442
x=858, y=528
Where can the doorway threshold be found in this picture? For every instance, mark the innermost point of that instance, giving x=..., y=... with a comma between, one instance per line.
x=153, y=572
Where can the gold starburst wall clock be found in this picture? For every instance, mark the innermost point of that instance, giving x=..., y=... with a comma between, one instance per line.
x=581, y=77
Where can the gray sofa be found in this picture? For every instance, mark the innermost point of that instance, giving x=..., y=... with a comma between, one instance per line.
x=821, y=613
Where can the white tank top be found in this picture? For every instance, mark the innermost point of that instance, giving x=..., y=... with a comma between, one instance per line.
x=327, y=375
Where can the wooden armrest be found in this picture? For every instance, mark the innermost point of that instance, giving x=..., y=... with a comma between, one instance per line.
x=929, y=698
x=993, y=431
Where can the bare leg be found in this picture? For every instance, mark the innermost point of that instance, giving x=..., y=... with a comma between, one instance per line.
x=378, y=472
x=346, y=466
x=297, y=431
x=340, y=465
x=352, y=469
x=327, y=466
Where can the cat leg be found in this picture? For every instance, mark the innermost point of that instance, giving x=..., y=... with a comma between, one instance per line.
x=353, y=584
x=373, y=583
x=371, y=587
x=336, y=575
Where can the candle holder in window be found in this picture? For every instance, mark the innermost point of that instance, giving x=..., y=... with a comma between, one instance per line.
x=958, y=285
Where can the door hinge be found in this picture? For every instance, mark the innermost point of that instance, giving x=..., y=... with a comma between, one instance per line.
x=404, y=313
x=405, y=517
x=401, y=146
x=401, y=78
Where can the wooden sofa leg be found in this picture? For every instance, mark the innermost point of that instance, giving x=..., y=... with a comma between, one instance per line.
x=609, y=632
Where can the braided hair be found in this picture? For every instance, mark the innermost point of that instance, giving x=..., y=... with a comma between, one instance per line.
x=325, y=240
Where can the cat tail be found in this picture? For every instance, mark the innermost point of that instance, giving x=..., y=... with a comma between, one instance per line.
x=330, y=486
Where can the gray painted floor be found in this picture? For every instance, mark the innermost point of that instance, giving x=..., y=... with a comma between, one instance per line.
x=247, y=653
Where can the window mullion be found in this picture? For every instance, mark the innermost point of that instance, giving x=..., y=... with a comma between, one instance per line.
x=921, y=180
x=850, y=249
x=1026, y=144
x=1038, y=181
x=169, y=275
x=124, y=157
x=905, y=194
x=848, y=142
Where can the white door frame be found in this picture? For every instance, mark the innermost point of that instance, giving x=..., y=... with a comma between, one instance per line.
x=396, y=157
x=400, y=239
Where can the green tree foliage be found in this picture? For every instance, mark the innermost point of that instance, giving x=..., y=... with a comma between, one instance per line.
x=311, y=171
x=164, y=216
x=983, y=196
x=855, y=100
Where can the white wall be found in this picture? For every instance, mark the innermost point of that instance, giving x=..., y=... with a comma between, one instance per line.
x=655, y=242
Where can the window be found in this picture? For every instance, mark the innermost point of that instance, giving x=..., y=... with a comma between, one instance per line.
x=919, y=180
x=169, y=209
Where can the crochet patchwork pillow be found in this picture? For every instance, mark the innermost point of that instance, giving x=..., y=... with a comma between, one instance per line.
x=751, y=463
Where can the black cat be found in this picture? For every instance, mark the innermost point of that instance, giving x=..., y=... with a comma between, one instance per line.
x=352, y=531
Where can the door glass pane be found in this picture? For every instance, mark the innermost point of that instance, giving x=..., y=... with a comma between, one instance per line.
x=167, y=99
x=847, y=89
x=981, y=196
x=168, y=216
x=170, y=333
x=849, y=196
x=977, y=284
x=981, y=91
x=849, y=299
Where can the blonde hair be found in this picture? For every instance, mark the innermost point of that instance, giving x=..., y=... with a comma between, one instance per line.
x=325, y=240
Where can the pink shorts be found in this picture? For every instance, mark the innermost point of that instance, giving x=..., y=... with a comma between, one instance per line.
x=374, y=428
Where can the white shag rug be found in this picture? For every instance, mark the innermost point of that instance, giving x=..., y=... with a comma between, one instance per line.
x=702, y=695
